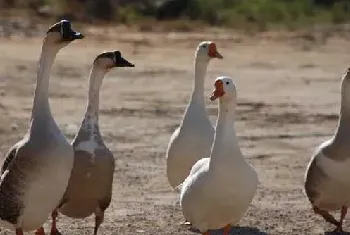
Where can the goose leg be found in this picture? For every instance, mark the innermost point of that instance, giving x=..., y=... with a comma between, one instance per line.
x=19, y=231
x=54, y=230
x=227, y=229
x=343, y=212
x=328, y=217
x=39, y=231
x=99, y=216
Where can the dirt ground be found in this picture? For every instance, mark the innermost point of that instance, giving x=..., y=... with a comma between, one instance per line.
x=288, y=93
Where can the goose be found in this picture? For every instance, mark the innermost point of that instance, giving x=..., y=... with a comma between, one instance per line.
x=193, y=138
x=219, y=189
x=36, y=170
x=327, y=178
x=90, y=186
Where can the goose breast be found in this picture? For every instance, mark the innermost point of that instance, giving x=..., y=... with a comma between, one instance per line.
x=90, y=184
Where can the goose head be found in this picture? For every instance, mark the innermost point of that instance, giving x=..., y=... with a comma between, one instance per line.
x=225, y=90
x=207, y=50
x=108, y=60
x=346, y=79
x=61, y=34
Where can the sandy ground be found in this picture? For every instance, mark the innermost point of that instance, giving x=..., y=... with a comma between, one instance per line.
x=288, y=94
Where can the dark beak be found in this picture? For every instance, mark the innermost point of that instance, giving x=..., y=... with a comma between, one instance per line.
x=77, y=35
x=121, y=62
x=70, y=35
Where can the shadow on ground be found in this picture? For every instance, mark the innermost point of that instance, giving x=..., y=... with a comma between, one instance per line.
x=337, y=233
x=239, y=231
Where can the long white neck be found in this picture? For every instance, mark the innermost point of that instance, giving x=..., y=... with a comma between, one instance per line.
x=225, y=146
x=41, y=106
x=345, y=97
x=200, y=70
x=344, y=117
x=95, y=82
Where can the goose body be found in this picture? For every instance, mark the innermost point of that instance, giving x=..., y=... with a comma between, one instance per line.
x=192, y=140
x=327, y=179
x=90, y=186
x=219, y=189
x=36, y=170
x=27, y=181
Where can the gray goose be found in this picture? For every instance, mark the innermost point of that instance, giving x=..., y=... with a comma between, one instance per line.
x=90, y=186
x=327, y=179
x=36, y=170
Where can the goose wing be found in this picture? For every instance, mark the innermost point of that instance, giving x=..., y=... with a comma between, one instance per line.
x=10, y=155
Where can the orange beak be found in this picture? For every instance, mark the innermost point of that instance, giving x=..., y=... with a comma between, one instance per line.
x=213, y=53
x=219, y=90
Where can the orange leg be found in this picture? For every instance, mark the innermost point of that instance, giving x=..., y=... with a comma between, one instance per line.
x=227, y=229
x=39, y=231
x=54, y=230
x=19, y=231
x=343, y=212
x=99, y=215
x=328, y=217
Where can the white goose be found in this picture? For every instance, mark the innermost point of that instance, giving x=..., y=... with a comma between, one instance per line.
x=36, y=170
x=219, y=189
x=192, y=140
x=90, y=186
x=327, y=179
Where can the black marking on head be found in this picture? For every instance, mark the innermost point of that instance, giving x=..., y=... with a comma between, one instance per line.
x=105, y=55
x=120, y=61
x=64, y=27
x=117, y=58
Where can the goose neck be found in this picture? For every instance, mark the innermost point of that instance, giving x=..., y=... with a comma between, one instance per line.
x=200, y=70
x=226, y=109
x=343, y=127
x=344, y=115
x=95, y=82
x=345, y=104
x=41, y=95
x=225, y=144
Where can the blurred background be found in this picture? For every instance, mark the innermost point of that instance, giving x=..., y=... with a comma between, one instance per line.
x=287, y=58
x=185, y=14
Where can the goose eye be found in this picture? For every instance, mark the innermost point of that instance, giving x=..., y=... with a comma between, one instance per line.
x=227, y=83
